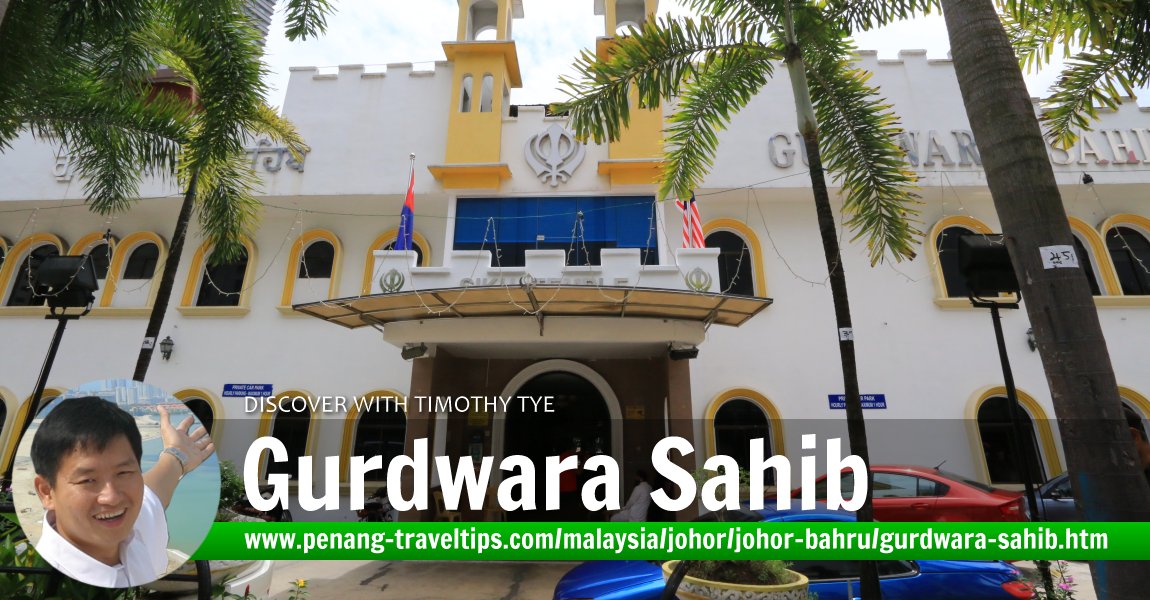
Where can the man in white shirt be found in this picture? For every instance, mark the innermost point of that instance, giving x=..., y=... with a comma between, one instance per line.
x=637, y=504
x=105, y=522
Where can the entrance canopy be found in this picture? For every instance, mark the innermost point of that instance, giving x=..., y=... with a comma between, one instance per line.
x=538, y=300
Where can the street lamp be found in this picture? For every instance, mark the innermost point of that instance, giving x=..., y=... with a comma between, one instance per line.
x=984, y=262
x=166, y=347
x=64, y=282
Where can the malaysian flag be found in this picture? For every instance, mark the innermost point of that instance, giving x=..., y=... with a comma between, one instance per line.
x=407, y=215
x=692, y=224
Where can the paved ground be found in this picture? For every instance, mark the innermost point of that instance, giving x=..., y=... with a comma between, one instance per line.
x=416, y=580
x=1077, y=572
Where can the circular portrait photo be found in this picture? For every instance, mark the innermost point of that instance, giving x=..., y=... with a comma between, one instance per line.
x=116, y=483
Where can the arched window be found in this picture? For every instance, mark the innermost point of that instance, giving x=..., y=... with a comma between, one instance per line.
x=487, y=91
x=947, y=246
x=142, y=262
x=465, y=94
x=737, y=422
x=101, y=254
x=386, y=241
x=21, y=294
x=291, y=428
x=380, y=432
x=1003, y=448
x=222, y=283
x=735, y=263
x=203, y=411
x=317, y=260
x=1084, y=259
x=3, y=251
x=1130, y=251
x=415, y=247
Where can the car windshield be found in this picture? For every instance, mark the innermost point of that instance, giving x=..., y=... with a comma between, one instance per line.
x=972, y=483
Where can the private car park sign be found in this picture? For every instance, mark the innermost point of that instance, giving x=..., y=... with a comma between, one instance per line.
x=839, y=401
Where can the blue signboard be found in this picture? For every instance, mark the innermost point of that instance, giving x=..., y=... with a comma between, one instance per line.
x=868, y=400
x=241, y=390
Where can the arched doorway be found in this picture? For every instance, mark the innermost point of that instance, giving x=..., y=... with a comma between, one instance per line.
x=580, y=417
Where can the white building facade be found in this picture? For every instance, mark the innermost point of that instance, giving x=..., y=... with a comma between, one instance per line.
x=546, y=267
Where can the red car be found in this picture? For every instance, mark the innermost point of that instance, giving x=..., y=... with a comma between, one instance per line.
x=910, y=493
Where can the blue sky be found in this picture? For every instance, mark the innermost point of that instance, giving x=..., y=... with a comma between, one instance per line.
x=552, y=32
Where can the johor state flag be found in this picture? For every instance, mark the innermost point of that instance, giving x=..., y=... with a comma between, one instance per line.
x=407, y=215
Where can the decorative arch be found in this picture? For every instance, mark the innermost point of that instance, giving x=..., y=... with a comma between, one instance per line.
x=296, y=255
x=188, y=305
x=1042, y=430
x=218, y=415
x=1137, y=400
x=267, y=426
x=1137, y=222
x=936, y=267
x=1099, y=257
x=83, y=244
x=754, y=245
x=521, y=378
x=774, y=419
x=351, y=423
x=16, y=256
x=10, y=407
x=3, y=250
x=386, y=238
x=124, y=250
x=21, y=417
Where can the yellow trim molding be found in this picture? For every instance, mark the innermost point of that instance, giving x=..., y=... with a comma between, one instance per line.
x=292, y=273
x=123, y=252
x=1103, y=265
x=632, y=171
x=383, y=240
x=20, y=418
x=20, y=251
x=1140, y=402
x=484, y=176
x=351, y=422
x=195, y=274
x=752, y=240
x=774, y=419
x=218, y=416
x=503, y=48
x=267, y=422
x=1038, y=417
x=81, y=245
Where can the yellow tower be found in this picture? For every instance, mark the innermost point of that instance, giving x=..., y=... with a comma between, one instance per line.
x=483, y=71
x=636, y=157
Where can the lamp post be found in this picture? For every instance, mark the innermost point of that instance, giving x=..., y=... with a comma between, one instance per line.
x=65, y=282
x=985, y=264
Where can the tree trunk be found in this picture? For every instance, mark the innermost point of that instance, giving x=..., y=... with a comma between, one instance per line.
x=1104, y=468
x=3, y=10
x=869, y=588
x=167, y=280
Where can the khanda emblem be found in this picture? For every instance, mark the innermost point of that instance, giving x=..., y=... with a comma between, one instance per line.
x=698, y=280
x=554, y=154
x=391, y=281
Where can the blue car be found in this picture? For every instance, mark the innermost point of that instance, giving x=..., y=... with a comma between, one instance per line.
x=830, y=579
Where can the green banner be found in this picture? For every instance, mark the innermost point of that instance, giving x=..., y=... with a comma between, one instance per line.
x=654, y=541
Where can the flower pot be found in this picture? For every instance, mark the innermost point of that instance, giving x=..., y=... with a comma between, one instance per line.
x=692, y=588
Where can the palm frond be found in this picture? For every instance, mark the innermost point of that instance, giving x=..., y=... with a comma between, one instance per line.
x=705, y=107
x=228, y=209
x=280, y=130
x=1091, y=77
x=307, y=18
x=857, y=131
x=655, y=60
x=863, y=15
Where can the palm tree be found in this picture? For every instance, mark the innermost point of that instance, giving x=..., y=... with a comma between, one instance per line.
x=214, y=50
x=1099, y=454
x=715, y=65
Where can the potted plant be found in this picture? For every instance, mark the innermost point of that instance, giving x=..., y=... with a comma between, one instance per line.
x=733, y=580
